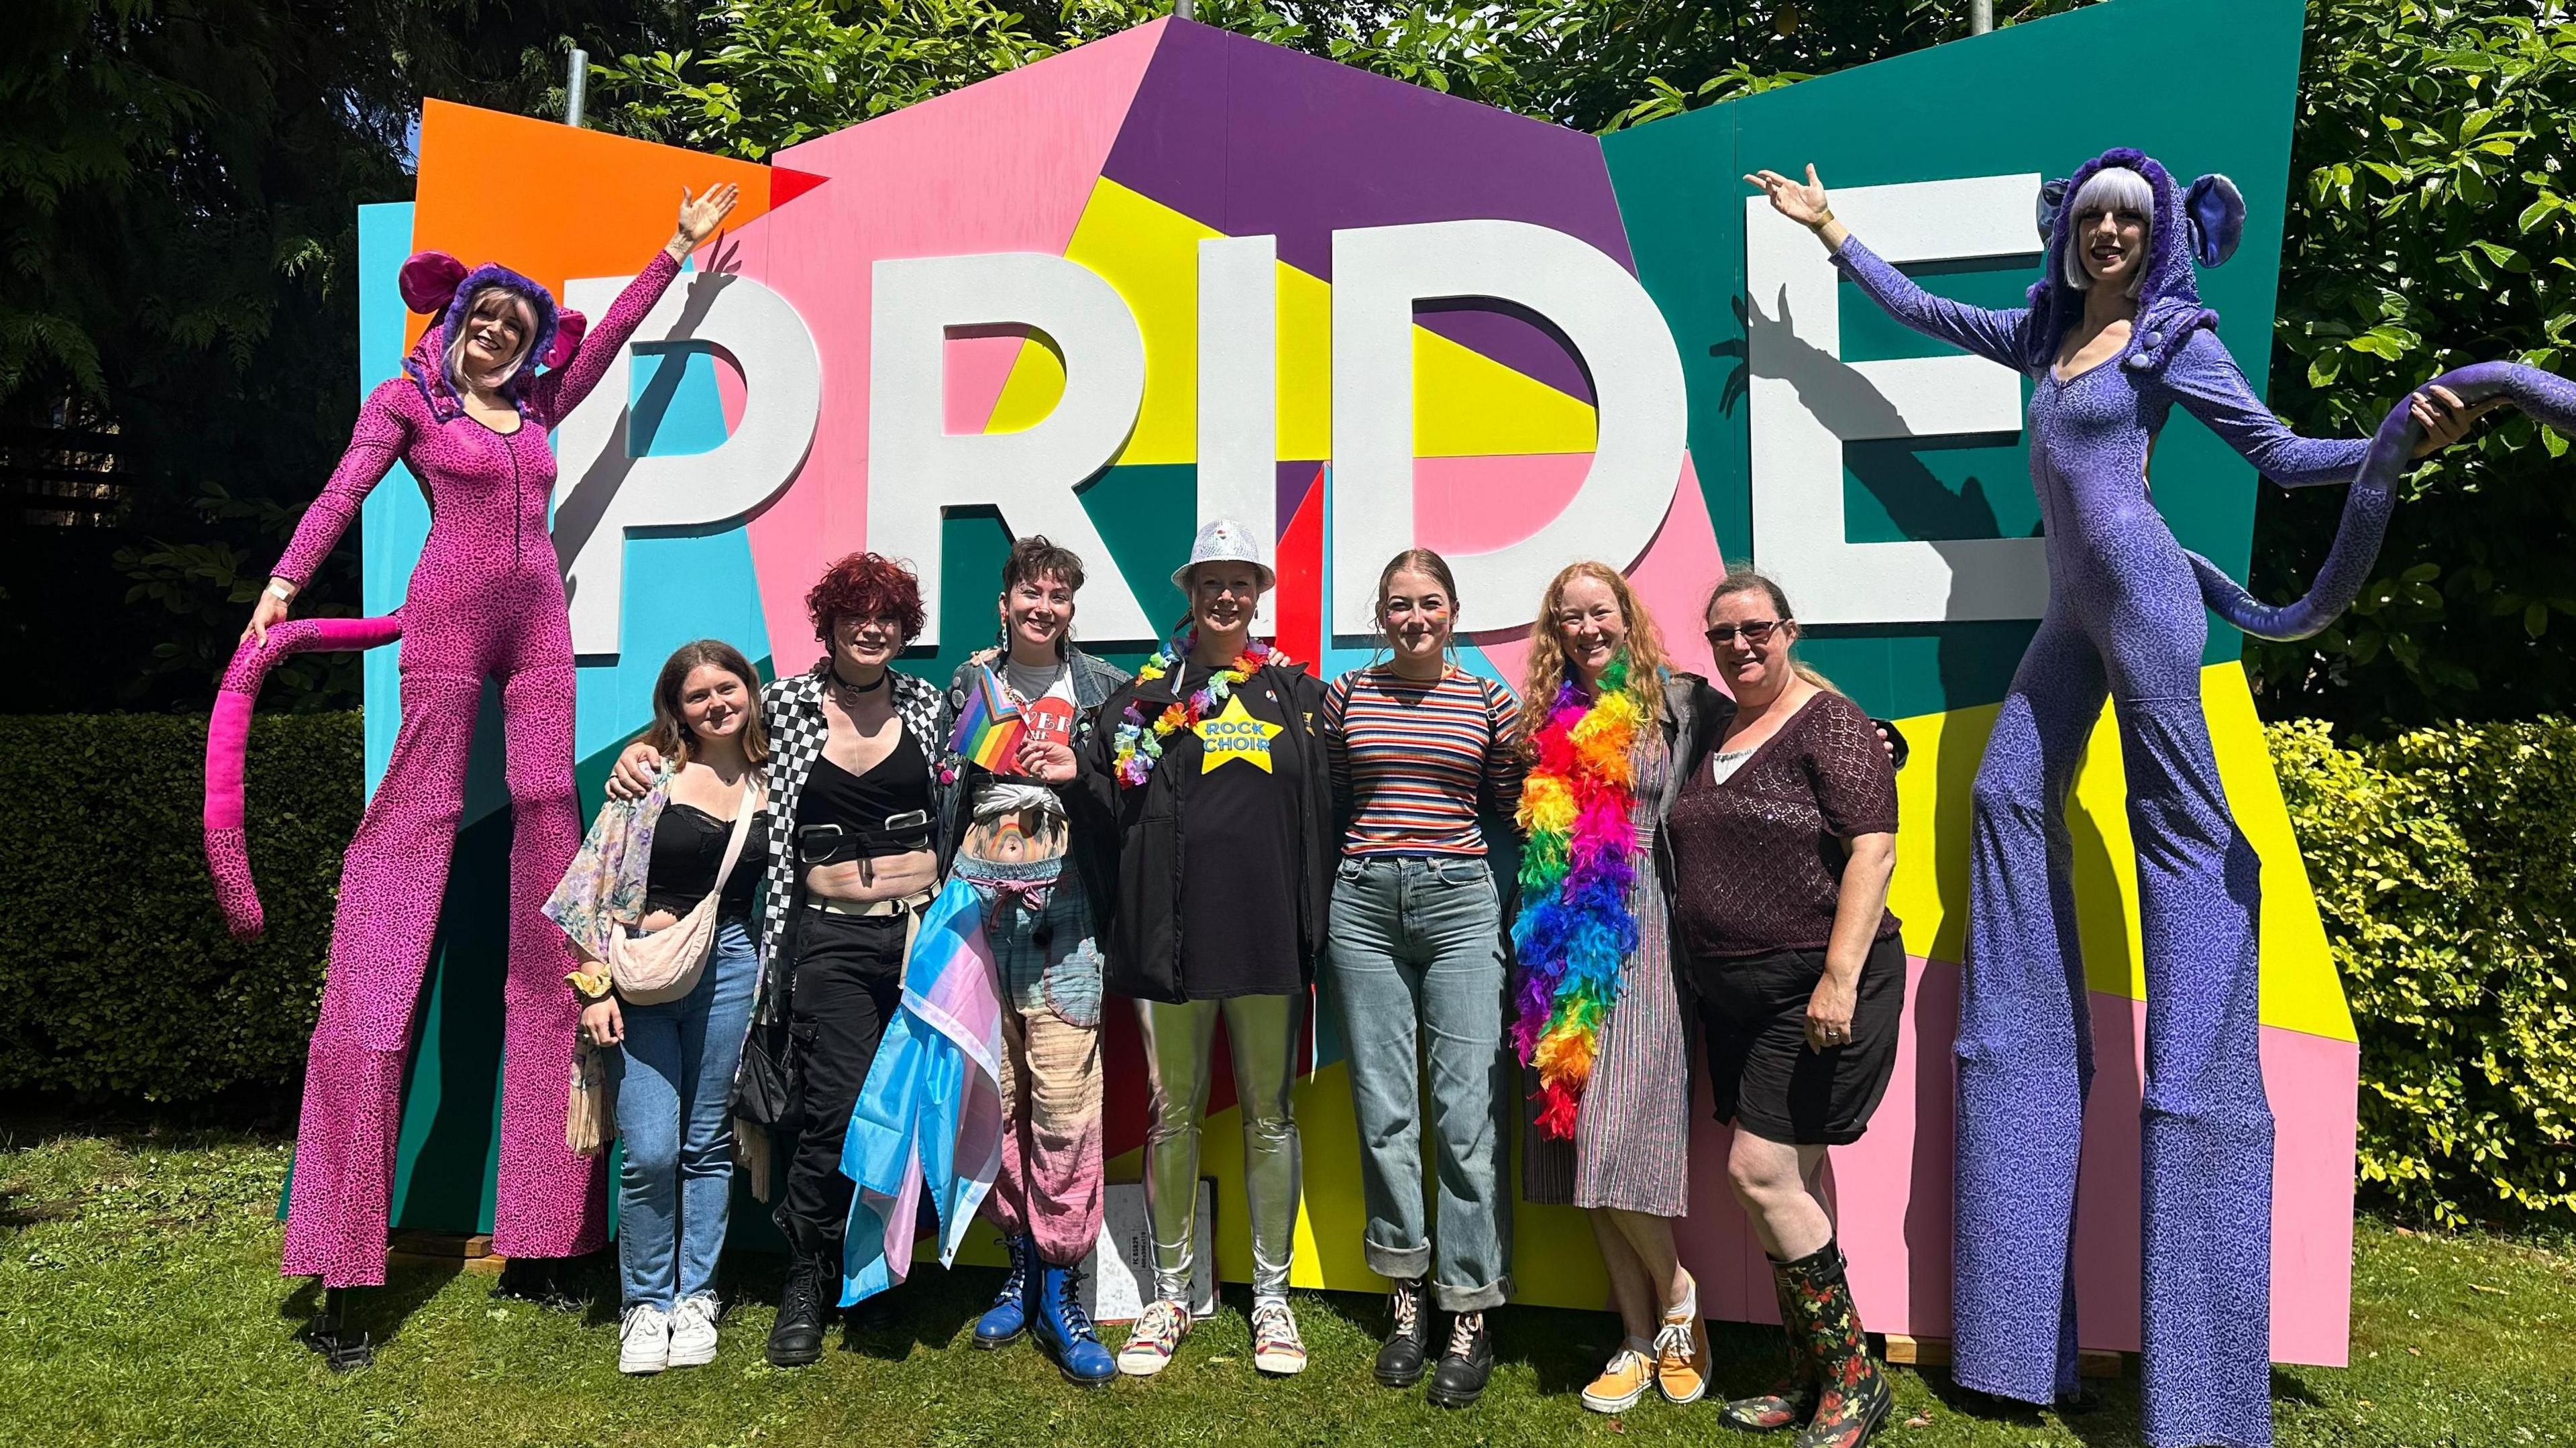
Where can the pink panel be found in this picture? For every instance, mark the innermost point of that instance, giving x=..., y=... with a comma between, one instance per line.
x=1672, y=579
x=1891, y=1189
x=977, y=368
x=1004, y=166
x=1479, y=504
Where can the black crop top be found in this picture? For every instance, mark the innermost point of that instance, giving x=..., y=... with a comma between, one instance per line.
x=688, y=845
x=860, y=804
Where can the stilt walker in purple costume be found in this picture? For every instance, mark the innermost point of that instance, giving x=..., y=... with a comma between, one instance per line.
x=2114, y=337
x=470, y=415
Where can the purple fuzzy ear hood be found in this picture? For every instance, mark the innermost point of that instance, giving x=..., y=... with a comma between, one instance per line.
x=427, y=364
x=2169, y=308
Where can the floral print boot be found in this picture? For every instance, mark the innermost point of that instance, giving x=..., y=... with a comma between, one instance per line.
x=1853, y=1397
x=1793, y=1401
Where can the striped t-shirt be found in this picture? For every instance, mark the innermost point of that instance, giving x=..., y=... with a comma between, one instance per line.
x=1411, y=761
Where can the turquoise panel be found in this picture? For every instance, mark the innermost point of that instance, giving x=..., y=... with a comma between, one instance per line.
x=1971, y=108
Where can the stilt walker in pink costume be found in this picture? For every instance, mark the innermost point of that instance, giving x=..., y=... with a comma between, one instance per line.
x=469, y=416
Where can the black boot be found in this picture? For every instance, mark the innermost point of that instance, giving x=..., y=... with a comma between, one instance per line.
x=1792, y=1401
x=1460, y=1378
x=1408, y=1334
x=796, y=1339
x=540, y=1280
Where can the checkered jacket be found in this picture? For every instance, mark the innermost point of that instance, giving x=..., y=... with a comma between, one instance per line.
x=792, y=711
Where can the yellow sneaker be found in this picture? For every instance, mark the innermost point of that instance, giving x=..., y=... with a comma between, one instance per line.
x=1622, y=1383
x=1681, y=1357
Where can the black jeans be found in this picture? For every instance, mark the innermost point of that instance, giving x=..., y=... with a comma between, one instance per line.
x=849, y=977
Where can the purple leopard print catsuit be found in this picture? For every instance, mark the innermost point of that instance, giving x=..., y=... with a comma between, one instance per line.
x=2124, y=620
x=486, y=600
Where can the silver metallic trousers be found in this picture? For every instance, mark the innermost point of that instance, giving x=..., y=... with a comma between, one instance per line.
x=1261, y=1032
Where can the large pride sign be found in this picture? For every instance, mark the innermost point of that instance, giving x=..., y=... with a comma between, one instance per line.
x=1178, y=274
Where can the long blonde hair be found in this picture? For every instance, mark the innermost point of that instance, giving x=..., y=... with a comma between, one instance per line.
x=1744, y=578
x=1546, y=671
x=500, y=376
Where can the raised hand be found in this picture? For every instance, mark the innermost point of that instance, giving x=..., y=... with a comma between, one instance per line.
x=2445, y=418
x=701, y=214
x=1804, y=205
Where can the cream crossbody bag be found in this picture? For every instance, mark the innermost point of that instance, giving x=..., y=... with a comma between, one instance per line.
x=649, y=970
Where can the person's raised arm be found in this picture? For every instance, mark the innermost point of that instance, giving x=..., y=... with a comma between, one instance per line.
x=562, y=389
x=1997, y=336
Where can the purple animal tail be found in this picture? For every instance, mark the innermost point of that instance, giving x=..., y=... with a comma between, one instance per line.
x=2546, y=396
x=228, y=743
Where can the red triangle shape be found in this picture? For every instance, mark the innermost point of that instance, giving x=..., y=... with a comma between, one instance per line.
x=786, y=185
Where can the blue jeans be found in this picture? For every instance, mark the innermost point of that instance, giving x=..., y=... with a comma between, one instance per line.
x=1417, y=963
x=674, y=1094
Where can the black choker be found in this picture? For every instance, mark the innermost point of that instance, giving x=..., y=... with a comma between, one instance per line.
x=846, y=687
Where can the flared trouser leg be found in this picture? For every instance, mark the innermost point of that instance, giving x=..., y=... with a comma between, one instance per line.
x=1261, y=1031
x=2025, y=1040
x=2206, y=1125
x=392, y=883
x=549, y=1202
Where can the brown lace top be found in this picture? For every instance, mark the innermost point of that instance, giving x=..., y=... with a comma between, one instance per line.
x=1759, y=858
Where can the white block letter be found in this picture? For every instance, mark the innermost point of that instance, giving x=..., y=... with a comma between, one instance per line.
x=602, y=491
x=1239, y=392
x=1378, y=274
x=1806, y=405
x=918, y=471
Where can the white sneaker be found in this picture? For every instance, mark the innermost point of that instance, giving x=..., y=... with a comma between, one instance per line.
x=693, y=1330
x=1276, y=1348
x=644, y=1340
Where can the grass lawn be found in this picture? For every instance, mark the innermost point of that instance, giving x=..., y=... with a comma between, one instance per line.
x=140, y=1303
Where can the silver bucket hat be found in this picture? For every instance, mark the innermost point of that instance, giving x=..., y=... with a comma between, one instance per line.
x=1224, y=541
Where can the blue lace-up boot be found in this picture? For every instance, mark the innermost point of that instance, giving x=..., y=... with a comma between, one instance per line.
x=1065, y=1328
x=1008, y=1317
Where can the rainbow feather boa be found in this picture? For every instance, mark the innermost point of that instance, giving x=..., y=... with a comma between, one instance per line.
x=1575, y=930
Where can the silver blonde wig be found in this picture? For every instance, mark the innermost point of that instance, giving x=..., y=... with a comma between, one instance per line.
x=2113, y=188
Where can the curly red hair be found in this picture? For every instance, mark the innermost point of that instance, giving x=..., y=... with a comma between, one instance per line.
x=866, y=585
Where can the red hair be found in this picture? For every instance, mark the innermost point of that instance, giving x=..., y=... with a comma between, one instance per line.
x=866, y=585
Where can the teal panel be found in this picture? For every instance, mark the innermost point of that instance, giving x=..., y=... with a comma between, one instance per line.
x=1871, y=335
x=1970, y=108
x=1967, y=486
x=1147, y=514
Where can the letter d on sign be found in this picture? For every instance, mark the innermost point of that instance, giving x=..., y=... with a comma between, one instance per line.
x=918, y=470
x=1378, y=274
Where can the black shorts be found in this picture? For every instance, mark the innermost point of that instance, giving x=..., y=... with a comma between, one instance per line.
x=1753, y=1019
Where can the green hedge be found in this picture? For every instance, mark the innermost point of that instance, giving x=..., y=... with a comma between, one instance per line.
x=2444, y=861
x=116, y=975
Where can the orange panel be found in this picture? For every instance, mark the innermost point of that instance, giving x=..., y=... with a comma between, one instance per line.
x=554, y=202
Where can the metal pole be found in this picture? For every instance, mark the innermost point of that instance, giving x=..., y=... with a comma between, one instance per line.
x=576, y=80
x=1981, y=16
x=1186, y=9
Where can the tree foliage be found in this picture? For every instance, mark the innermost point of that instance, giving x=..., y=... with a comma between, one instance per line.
x=2431, y=227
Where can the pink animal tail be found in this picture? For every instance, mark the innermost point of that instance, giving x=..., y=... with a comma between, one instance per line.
x=228, y=744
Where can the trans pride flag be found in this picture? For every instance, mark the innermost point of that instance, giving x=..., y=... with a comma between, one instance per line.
x=929, y=1120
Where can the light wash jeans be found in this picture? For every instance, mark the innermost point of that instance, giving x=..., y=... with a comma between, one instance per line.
x=1417, y=963
x=674, y=1097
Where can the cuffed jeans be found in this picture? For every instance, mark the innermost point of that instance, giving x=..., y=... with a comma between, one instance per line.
x=1261, y=1031
x=1417, y=964
x=674, y=1089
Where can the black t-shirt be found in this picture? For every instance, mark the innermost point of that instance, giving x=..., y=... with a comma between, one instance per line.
x=688, y=846
x=1239, y=844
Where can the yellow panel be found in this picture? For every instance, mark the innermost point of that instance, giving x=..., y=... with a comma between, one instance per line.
x=2300, y=990
x=1465, y=404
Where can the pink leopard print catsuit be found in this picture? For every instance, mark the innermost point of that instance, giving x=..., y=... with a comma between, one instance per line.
x=486, y=600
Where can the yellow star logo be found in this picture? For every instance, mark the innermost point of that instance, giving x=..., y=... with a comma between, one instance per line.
x=1232, y=733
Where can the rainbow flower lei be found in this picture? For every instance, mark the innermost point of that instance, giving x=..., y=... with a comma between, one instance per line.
x=1575, y=929
x=1136, y=747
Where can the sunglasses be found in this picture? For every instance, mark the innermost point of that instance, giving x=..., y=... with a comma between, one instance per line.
x=1757, y=633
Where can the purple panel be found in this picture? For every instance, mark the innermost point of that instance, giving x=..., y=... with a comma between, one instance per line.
x=1296, y=480
x=1253, y=139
